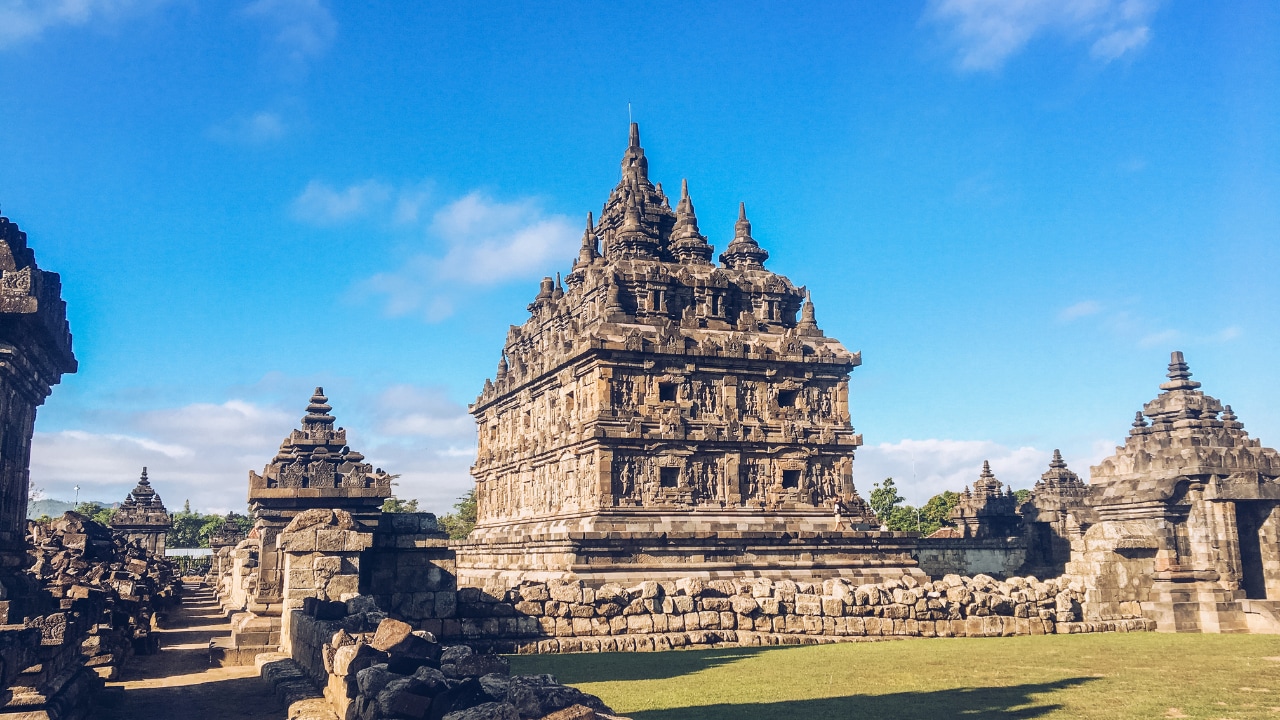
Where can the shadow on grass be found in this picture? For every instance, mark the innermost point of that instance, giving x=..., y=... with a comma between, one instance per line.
x=574, y=669
x=993, y=702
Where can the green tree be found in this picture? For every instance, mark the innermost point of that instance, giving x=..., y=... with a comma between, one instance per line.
x=884, y=498
x=1022, y=495
x=462, y=520
x=96, y=512
x=934, y=513
x=396, y=505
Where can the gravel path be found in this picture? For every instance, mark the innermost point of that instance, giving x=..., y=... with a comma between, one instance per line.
x=177, y=682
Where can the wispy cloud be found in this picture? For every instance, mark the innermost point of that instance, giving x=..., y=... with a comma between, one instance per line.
x=300, y=31
x=257, y=128
x=987, y=33
x=22, y=20
x=203, y=452
x=1081, y=309
x=473, y=241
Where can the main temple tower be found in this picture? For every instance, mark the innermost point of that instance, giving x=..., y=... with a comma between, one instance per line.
x=658, y=410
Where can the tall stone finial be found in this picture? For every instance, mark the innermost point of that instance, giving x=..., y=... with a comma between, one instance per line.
x=1057, y=462
x=807, y=319
x=143, y=480
x=634, y=165
x=613, y=298
x=743, y=253
x=633, y=239
x=986, y=469
x=1179, y=374
x=502, y=367
x=318, y=409
x=589, y=251
x=1138, y=420
x=558, y=292
x=687, y=243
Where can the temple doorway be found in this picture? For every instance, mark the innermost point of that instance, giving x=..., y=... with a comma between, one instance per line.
x=1249, y=519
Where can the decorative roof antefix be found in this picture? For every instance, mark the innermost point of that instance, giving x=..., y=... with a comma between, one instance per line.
x=644, y=278
x=32, y=310
x=316, y=456
x=1190, y=437
x=142, y=508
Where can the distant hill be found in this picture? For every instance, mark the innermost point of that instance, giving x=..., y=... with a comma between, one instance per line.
x=52, y=508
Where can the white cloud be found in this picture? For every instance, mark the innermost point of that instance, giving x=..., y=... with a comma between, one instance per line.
x=322, y=204
x=28, y=19
x=986, y=33
x=300, y=30
x=405, y=410
x=203, y=452
x=945, y=465
x=257, y=129
x=1079, y=310
x=475, y=241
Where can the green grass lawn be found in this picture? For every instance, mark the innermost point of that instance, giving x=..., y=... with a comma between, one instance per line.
x=1139, y=675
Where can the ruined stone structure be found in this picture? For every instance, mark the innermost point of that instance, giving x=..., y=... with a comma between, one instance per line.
x=1054, y=515
x=314, y=469
x=659, y=411
x=1187, y=526
x=985, y=535
x=35, y=350
x=41, y=669
x=142, y=518
x=989, y=510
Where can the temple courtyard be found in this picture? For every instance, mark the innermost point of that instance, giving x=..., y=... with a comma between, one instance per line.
x=1109, y=675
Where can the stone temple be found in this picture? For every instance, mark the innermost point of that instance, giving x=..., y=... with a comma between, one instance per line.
x=658, y=410
x=1186, y=519
x=143, y=518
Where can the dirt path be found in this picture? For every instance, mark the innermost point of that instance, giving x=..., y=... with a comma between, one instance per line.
x=177, y=682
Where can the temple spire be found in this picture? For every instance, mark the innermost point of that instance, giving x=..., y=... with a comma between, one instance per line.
x=808, y=324
x=1179, y=374
x=687, y=243
x=744, y=253
x=1057, y=462
x=588, y=252
x=635, y=167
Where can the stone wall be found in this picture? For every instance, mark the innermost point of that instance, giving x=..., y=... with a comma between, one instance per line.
x=1001, y=557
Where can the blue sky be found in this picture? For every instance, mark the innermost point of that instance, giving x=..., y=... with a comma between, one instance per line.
x=1015, y=210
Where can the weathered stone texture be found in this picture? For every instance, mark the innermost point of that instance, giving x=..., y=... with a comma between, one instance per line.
x=1187, y=514
x=664, y=402
x=143, y=518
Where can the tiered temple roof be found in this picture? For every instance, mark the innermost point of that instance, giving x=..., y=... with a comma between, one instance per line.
x=1183, y=435
x=316, y=456
x=988, y=511
x=142, y=508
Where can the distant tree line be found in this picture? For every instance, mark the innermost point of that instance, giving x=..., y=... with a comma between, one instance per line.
x=892, y=510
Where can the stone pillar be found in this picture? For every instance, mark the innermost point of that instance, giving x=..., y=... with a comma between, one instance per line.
x=321, y=551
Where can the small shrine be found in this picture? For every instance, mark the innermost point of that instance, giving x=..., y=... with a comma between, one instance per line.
x=143, y=518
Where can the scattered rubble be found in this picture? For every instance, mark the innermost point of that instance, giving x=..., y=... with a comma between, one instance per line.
x=75, y=558
x=373, y=667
